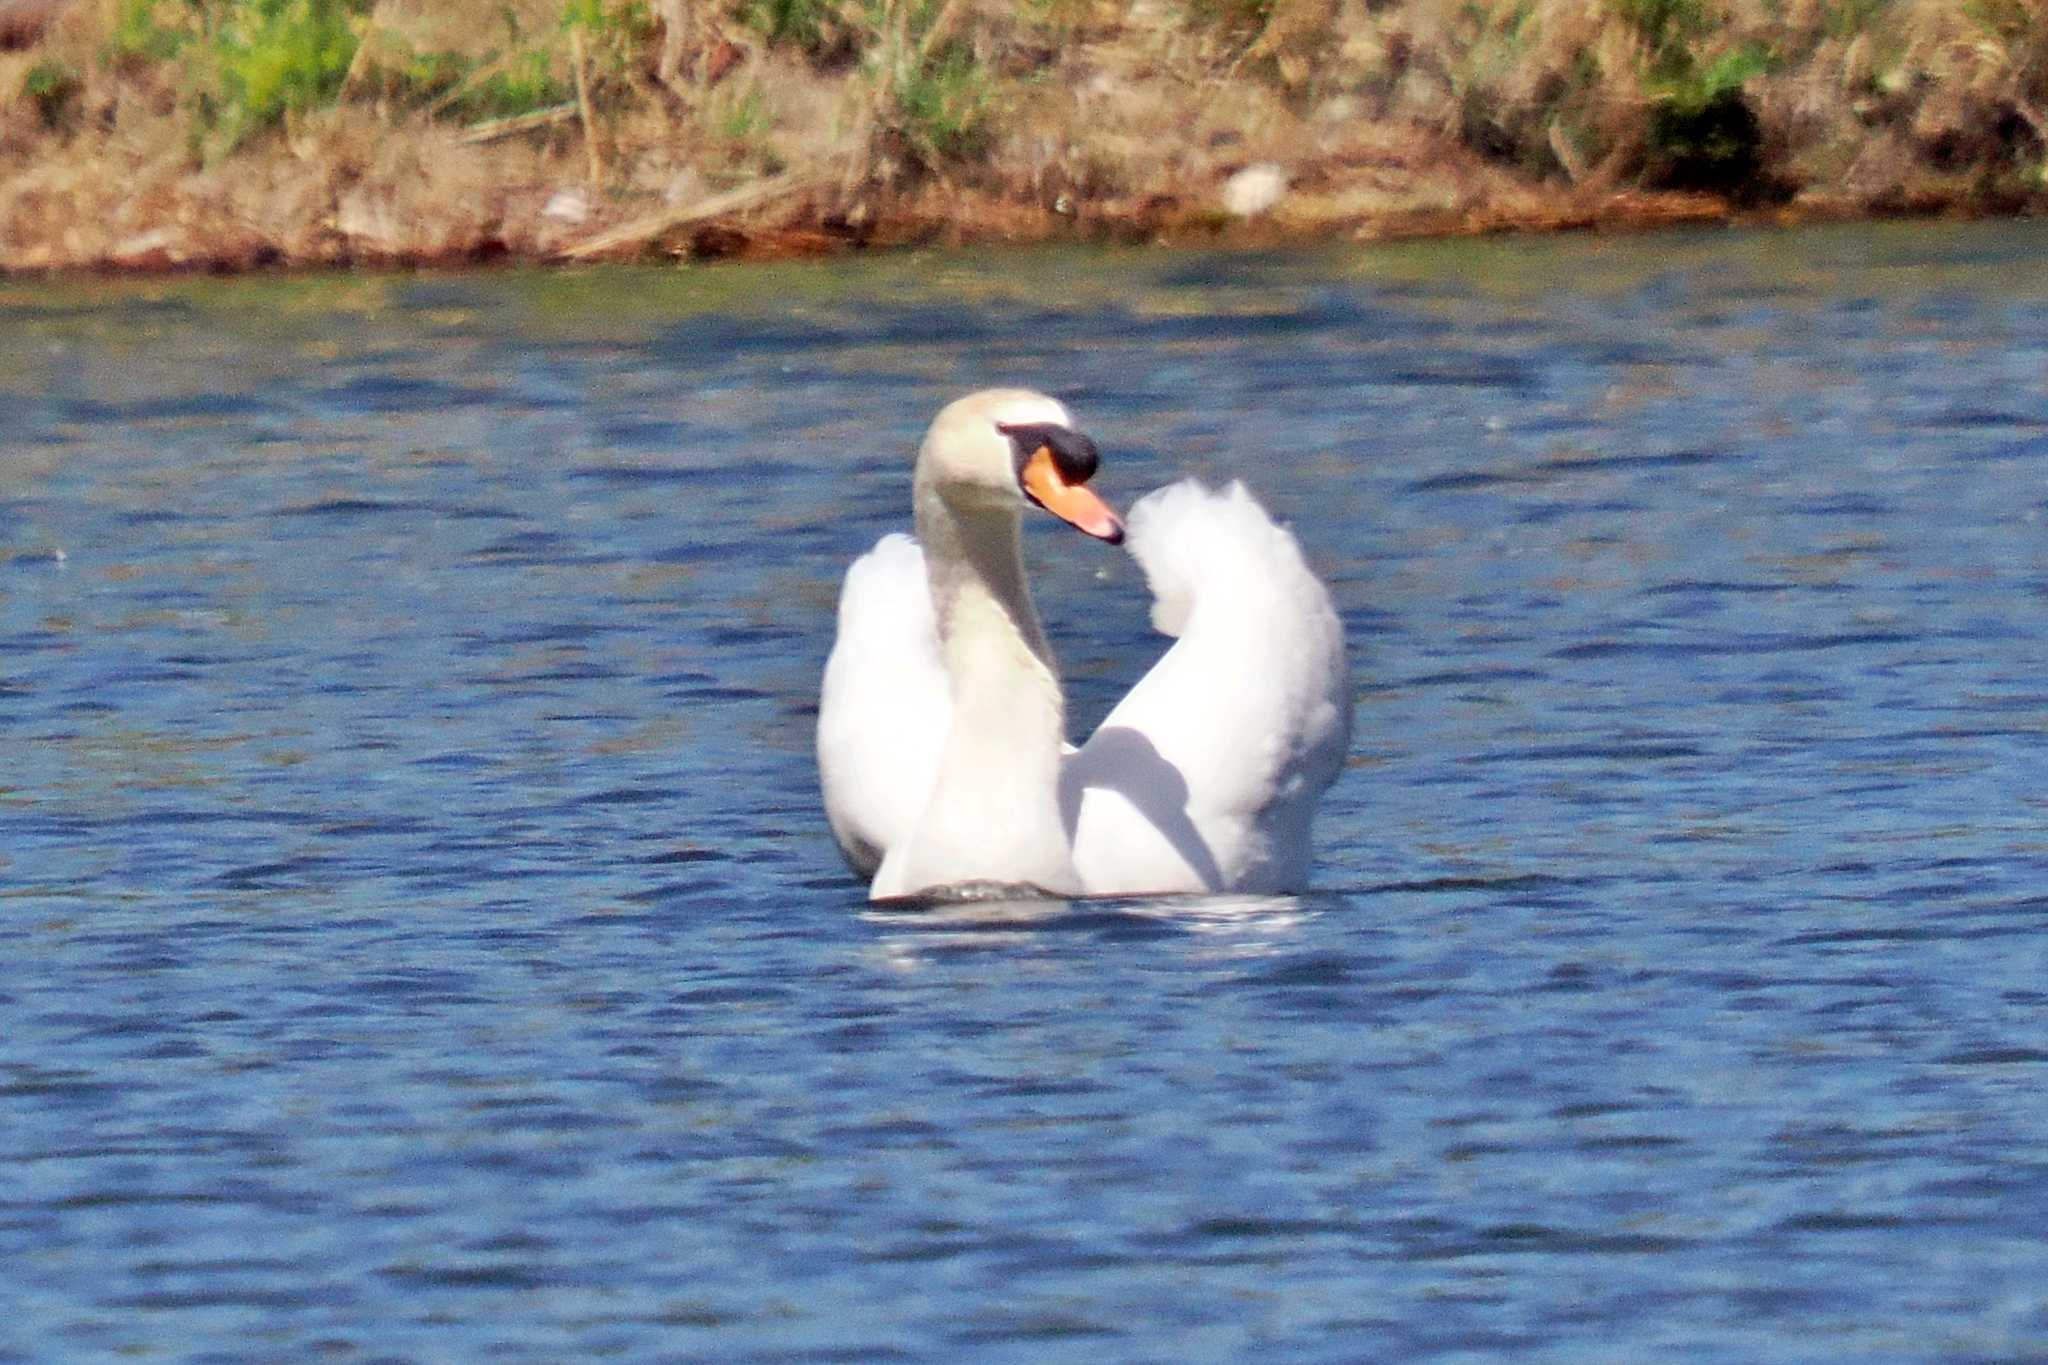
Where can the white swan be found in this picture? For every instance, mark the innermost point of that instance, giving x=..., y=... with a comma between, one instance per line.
x=941, y=725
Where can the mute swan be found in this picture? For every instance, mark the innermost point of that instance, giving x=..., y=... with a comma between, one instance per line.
x=941, y=725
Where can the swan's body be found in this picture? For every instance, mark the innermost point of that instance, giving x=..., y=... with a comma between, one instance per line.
x=941, y=726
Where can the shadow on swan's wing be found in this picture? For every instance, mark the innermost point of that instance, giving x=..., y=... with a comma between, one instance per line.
x=1122, y=760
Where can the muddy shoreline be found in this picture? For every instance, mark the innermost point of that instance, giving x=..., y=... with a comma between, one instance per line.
x=995, y=225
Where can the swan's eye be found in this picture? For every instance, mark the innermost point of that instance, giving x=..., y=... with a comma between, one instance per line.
x=1074, y=454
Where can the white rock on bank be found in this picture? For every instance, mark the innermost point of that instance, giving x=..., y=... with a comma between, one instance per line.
x=1254, y=190
x=569, y=205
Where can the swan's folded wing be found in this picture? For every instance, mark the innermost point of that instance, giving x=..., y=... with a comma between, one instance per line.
x=1206, y=775
x=884, y=704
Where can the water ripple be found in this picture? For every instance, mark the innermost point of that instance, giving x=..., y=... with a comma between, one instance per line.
x=427, y=946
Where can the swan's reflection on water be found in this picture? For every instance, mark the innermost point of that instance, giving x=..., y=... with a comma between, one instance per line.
x=1234, y=925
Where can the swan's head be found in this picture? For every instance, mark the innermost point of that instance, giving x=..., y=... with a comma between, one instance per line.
x=1001, y=448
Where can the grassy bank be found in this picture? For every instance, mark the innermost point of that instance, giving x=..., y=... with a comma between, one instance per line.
x=154, y=134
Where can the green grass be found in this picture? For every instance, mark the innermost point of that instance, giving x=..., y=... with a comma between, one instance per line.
x=139, y=34
x=620, y=25
x=51, y=86
x=1847, y=19
x=523, y=84
x=1666, y=25
x=468, y=89
x=743, y=118
x=931, y=91
x=2008, y=20
x=282, y=56
x=247, y=64
x=821, y=29
x=1703, y=132
x=943, y=106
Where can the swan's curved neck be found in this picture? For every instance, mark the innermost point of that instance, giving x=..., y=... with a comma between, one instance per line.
x=987, y=624
x=993, y=814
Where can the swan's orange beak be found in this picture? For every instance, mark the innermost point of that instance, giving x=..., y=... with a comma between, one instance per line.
x=1072, y=503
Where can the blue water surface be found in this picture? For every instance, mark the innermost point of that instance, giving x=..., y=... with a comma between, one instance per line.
x=424, y=943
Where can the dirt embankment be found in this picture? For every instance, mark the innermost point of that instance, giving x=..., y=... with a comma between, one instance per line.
x=227, y=134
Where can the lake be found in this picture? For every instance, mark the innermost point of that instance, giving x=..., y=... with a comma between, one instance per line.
x=426, y=943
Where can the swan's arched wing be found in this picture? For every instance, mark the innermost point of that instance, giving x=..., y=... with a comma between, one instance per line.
x=884, y=704
x=1206, y=775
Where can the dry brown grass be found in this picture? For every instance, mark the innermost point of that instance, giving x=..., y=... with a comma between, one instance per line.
x=966, y=120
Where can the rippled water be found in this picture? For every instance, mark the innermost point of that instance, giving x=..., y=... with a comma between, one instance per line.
x=424, y=943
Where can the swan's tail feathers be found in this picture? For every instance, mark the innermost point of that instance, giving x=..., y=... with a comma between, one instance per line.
x=1201, y=545
x=884, y=704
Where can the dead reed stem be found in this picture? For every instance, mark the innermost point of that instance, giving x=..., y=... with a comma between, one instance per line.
x=640, y=232
x=580, y=57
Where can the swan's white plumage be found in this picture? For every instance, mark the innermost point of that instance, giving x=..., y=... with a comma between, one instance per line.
x=1206, y=775
x=884, y=704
